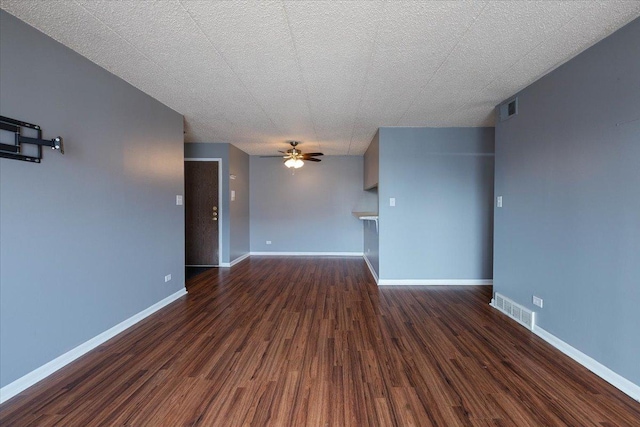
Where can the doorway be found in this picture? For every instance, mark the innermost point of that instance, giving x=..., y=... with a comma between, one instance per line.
x=202, y=212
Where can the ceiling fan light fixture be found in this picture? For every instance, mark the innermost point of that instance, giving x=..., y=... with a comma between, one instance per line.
x=294, y=158
x=294, y=163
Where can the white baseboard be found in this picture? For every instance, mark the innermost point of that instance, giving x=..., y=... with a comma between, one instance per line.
x=358, y=254
x=240, y=258
x=235, y=261
x=593, y=365
x=373, y=272
x=22, y=383
x=436, y=282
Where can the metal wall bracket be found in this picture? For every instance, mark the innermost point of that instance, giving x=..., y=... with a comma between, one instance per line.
x=14, y=151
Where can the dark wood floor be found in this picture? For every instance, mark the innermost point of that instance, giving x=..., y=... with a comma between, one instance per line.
x=295, y=342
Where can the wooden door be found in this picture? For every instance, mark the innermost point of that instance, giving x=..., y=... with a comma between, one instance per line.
x=201, y=212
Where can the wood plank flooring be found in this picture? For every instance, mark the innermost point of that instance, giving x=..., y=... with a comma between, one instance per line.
x=314, y=342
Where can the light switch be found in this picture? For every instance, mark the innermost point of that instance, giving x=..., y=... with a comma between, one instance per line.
x=179, y=200
x=392, y=201
x=233, y=195
x=499, y=201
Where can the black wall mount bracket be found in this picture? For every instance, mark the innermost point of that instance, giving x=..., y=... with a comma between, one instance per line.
x=14, y=151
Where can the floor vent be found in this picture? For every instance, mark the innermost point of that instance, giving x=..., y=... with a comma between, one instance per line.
x=520, y=314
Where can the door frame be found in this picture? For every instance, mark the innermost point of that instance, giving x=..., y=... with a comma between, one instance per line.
x=220, y=214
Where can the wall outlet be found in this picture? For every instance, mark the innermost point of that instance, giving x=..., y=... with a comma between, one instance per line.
x=233, y=195
x=167, y=278
x=368, y=250
x=179, y=200
x=499, y=201
x=268, y=242
x=392, y=201
x=537, y=301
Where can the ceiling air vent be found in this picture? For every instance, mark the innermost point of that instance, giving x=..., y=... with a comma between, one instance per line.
x=508, y=109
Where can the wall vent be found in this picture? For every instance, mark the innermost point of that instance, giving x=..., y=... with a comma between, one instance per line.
x=520, y=314
x=509, y=109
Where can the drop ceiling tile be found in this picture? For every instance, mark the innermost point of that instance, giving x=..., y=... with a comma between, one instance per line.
x=499, y=37
x=254, y=40
x=334, y=42
x=415, y=39
x=165, y=33
x=552, y=53
x=326, y=73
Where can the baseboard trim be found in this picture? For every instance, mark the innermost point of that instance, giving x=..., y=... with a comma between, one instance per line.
x=436, y=282
x=371, y=269
x=235, y=261
x=616, y=380
x=355, y=254
x=38, y=374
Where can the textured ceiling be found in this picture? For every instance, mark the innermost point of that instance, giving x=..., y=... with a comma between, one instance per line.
x=326, y=73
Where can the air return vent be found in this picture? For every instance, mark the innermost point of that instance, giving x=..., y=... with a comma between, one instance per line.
x=520, y=314
x=509, y=109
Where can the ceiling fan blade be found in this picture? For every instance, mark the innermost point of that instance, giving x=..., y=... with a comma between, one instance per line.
x=279, y=156
x=313, y=154
x=311, y=159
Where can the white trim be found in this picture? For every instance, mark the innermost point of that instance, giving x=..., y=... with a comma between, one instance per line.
x=436, y=282
x=373, y=272
x=240, y=258
x=38, y=374
x=358, y=254
x=219, y=160
x=593, y=365
x=235, y=261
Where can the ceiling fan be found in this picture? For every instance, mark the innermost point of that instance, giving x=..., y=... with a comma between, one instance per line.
x=294, y=158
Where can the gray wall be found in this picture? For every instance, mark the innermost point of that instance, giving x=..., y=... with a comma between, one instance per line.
x=371, y=162
x=371, y=174
x=239, y=244
x=87, y=237
x=234, y=227
x=309, y=211
x=442, y=180
x=568, y=167
x=371, y=243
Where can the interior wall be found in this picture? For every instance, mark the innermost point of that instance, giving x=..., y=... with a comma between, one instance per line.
x=239, y=208
x=88, y=236
x=371, y=245
x=309, y=211
x=568, y=168
x=370, y=228
x=441, y=226
x=371, y=162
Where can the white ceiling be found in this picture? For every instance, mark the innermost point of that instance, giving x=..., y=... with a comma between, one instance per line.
x=327, y=73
